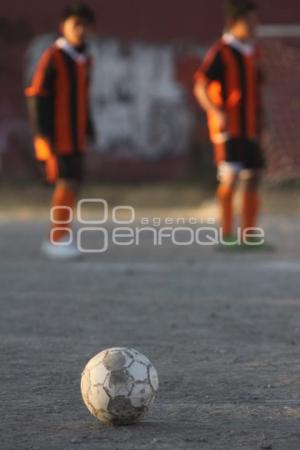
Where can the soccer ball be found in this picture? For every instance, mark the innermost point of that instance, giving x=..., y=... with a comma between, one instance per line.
x=119, y=385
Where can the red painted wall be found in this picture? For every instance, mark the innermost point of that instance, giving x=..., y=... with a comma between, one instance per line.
x=154, y=21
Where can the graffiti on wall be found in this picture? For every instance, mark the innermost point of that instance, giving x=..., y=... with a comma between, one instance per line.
x=138, y=107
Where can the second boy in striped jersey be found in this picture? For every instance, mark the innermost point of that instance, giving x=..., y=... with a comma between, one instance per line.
x=228, y=86
x=58, y=105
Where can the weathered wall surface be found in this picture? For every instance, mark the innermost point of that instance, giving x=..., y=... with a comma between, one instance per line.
x=138, y=105
x=146, y=54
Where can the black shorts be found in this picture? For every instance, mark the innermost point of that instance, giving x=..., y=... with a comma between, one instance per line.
x=69, y=167
x=243, y=151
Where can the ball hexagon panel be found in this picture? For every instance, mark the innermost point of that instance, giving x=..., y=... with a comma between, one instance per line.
x=138, y=371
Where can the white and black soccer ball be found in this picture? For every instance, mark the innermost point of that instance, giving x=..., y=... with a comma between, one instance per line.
x=119, y=385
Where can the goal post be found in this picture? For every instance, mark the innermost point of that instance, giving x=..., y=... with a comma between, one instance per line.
x=279, y=31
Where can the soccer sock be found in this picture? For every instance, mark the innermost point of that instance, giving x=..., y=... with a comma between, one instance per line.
x=251, y=204
x=63, y=198
x=225, y=196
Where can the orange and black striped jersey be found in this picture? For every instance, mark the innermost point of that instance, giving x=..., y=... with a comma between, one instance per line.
x=58, y=97
x=231, y=70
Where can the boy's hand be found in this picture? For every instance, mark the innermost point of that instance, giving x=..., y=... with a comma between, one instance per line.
x=44, y=154
x=42, y=147
x=221, y=118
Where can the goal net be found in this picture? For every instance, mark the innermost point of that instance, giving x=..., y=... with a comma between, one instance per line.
x=281, y=50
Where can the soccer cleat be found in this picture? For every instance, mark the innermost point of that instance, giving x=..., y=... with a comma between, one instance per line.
x=61, y=250
x=230, y=241
x=231, y=244
x=256, y=244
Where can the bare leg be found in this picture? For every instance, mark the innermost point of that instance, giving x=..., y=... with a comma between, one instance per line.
x=63, y=200
x=225, y=194
x=251, y=199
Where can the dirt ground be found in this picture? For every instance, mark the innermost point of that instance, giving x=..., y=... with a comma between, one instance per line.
x=223, y=331
x=27, y=201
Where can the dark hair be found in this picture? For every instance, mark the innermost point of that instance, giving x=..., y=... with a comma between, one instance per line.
x=236, y=9
x=80, y=10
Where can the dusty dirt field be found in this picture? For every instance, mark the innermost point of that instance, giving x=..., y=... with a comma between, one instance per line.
x=27, y=201
x=223, y=331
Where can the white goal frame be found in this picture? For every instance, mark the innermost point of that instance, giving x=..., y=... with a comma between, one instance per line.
x=278, y=30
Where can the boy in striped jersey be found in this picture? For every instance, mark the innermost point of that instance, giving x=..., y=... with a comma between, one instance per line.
x=228, y=87
x=58, y=106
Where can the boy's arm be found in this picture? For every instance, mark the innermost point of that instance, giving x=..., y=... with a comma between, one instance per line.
x=211, y=70
x=39, y=96
x=201, y=94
